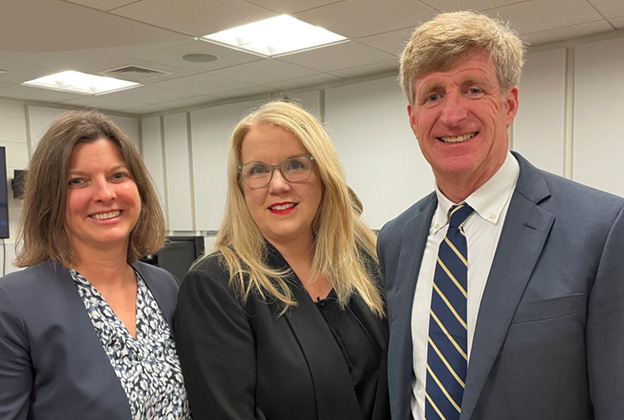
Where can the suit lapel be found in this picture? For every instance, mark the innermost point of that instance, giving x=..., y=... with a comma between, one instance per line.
x=401, y=299
x=325, y=360
x=522, y=240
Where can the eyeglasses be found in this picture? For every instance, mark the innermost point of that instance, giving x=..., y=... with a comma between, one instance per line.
x=259, y=174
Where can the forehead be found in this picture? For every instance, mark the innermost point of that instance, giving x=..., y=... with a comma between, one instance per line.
x=270, y=143
x=474, y=65
x=96, y=151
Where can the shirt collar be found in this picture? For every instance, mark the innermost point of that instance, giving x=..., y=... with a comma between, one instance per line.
x=489, y=200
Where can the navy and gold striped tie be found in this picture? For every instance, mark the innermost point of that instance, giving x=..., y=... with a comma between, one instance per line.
x=447, y=355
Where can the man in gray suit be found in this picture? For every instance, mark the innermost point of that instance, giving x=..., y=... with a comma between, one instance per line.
x=543, y=309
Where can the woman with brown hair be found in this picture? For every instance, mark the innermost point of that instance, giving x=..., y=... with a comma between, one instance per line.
x=86, y=329
x=285, y=319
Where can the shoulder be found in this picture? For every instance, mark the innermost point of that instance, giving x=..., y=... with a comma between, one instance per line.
x=31, y=280
x=209, y=272
x=566, y=198
x=419, y=209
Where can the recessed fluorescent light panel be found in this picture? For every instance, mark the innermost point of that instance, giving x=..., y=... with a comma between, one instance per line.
x=275, y=36
x=77, y=82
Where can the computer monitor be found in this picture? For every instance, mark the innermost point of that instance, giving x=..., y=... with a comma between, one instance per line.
x=4, y=199
x=178, y=254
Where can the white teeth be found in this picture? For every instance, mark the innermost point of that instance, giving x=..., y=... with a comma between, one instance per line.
x=104, y=216
x=283, y=206
x=457, y=139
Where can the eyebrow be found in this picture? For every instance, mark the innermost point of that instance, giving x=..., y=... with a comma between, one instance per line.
x=113, y=169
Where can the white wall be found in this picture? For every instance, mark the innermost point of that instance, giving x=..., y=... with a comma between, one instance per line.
x=599, y=115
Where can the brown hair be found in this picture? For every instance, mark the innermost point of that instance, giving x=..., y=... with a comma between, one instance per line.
x=344, y=245
x=42, y=231
x=437, y=44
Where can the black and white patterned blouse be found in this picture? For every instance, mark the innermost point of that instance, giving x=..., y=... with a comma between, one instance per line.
x=148, y=366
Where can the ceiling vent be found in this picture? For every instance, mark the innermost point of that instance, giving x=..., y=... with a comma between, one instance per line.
x=135, y=73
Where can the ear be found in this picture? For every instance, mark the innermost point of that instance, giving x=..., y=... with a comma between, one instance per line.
x=511, y=102
x=412, y=118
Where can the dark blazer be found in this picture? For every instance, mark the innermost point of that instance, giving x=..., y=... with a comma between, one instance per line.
x=246, y=362
x=549, y=339
x=52, y=364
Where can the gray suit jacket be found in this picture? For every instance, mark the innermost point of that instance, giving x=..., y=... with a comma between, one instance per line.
x=549, y=339
x=52, y=364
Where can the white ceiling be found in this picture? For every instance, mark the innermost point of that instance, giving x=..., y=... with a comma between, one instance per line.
x=40, y=37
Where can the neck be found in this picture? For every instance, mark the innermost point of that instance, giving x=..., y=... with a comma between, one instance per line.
x=104, y=267
x=458, y=186
x=296, y=252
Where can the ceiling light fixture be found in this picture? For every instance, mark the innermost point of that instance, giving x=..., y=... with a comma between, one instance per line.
x=83, y=83
x=275, y=36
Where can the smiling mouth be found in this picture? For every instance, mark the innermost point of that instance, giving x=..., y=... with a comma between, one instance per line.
x=105, y=216
x=458, y=139
x=282, y=207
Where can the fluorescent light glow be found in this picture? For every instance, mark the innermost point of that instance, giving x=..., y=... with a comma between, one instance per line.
x=77, y=82
x=275, y=36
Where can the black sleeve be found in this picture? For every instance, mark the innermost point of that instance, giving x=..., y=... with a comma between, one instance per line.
x=215, y=344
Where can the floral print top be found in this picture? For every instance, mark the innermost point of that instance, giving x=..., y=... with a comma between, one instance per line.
x=148, y=365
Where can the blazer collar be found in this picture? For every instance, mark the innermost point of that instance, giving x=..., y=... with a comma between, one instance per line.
x=522, y=240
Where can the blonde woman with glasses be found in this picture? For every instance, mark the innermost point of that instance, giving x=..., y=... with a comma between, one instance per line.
x=285, y=319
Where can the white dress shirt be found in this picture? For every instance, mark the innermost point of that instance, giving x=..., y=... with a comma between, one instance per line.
x=483, y=229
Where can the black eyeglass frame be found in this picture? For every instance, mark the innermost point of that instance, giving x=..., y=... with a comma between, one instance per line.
x=273, y=168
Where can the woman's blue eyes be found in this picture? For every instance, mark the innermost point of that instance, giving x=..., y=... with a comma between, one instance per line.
x=258, y=170
x=295, y=164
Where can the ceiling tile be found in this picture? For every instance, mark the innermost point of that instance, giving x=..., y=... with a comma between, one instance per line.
x=543, y=15
x=102, y=4
x=60, y=26
x=337, y=57
x=315, y=80
x=191, y=102
x=390, y=42
x=368, y=70
x=560, y=34
x=103, y=102
x=292, y=6
x=202, y=84
x=150, y=95
x=172, y=55
x=618, y=22
x=35, y=94
x=264, y=72
x=193, y=17
x=454, y=5
x=359, y=18
x=609, y=8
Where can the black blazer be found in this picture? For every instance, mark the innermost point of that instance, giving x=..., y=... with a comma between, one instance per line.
x=245, y=361
x=52, y=364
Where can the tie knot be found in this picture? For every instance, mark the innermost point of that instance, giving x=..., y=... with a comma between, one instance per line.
x=458, y=214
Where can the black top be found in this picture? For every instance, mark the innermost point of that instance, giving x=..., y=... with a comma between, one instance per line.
x=361, y=352
x=243, y=360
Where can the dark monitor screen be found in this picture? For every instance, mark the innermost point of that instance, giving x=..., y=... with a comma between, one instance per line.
x=4, y=203
x=178, y=254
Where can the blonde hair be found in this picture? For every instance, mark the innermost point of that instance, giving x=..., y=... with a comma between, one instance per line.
x=344, y=245
x=42, y=226
x=437, y=44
